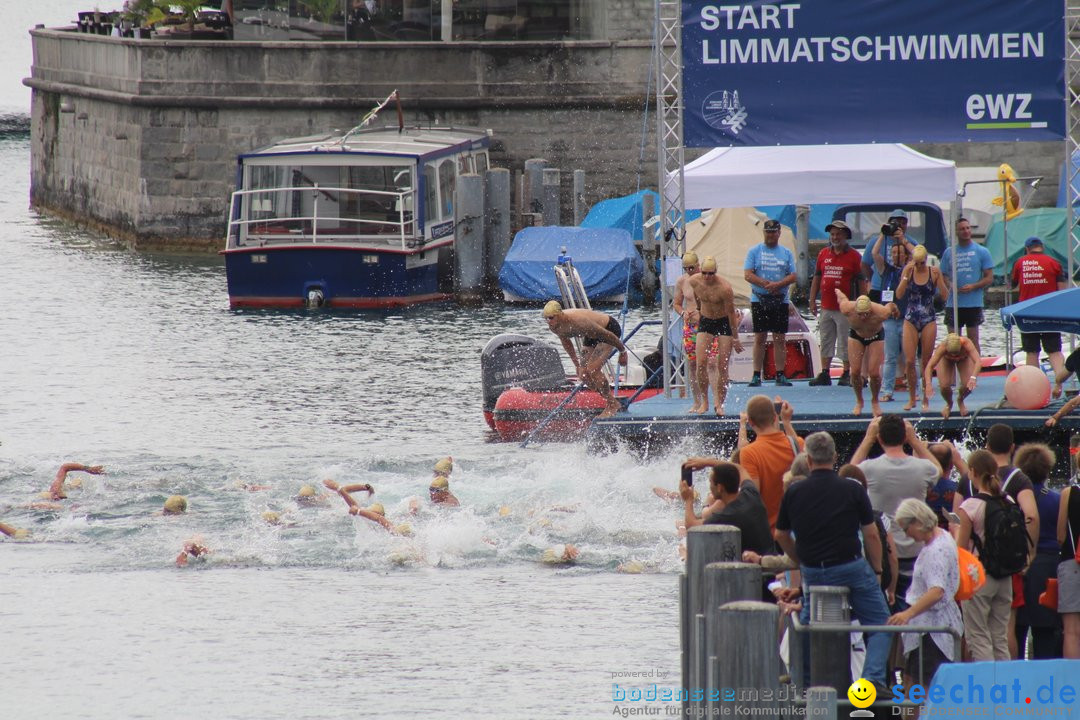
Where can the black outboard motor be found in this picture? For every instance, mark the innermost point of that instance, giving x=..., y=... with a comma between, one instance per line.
x=518, y=361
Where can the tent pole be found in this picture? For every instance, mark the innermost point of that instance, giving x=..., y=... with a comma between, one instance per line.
x=956, y=211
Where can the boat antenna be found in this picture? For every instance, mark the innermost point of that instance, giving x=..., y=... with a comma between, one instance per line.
x=373, y=113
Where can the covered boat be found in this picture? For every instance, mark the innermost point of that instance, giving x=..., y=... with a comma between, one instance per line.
x=363, y=219
x=606, y=259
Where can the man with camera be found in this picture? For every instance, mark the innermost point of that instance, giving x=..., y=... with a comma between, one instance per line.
x=737, y=503
x=838, y=266
x=898, y=220
x=974, y=273
x=770, y=269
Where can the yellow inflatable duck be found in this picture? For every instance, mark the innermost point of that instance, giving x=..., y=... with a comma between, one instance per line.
x=1010, y=198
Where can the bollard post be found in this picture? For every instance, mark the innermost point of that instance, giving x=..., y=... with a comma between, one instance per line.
x=533, y=183
x=497, y=236
x=469, y=239
x=821, y=703
x=830, y=653
x=747, y=632
x=704, y=544
x=684, y=636
x=579, y=197
x=552, y=179
x=724, y=582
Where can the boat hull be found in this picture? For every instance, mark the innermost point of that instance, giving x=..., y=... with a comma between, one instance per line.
x=519, y=411
x=343, y=277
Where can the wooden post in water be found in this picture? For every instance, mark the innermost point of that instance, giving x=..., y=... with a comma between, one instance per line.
x=747, y=635
x=704, y=544
x=497, y=237
x=534, y=186
x=552, y=179
x=725, y=582
x=579, y=197
x=469, y=239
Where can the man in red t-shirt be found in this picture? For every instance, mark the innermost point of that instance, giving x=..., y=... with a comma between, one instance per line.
x=838, y=267
x=1036, y=273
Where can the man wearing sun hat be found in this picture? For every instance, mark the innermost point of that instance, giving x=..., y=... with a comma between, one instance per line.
x=599, y=333
x=838, y=267
x=770, y=269
x=1035, y=274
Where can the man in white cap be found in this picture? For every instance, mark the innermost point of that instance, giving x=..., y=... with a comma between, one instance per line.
x=770, y=269
x=1035, y=274
x=713, y=309
x=599, y=334
x=866, y=336
x=838, y=267
x=955, y=358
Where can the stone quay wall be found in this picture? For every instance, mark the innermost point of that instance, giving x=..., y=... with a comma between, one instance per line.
x=139, y=138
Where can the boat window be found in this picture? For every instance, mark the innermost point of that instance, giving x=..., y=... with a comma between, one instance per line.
x=446, y=187
x=431, y=194
x=481, y=162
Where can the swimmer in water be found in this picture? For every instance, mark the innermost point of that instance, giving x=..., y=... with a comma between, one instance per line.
x=560, y=555
x=375, y=512
x=175, y=505
x=56, y=490
x=13, y=532
x=193, y=548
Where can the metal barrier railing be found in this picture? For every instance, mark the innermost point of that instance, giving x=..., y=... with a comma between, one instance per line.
x=346, y=220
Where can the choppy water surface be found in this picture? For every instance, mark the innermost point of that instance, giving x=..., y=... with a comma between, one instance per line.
x=136, y=362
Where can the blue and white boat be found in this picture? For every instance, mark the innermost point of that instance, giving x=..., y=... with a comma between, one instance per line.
x=363, y=219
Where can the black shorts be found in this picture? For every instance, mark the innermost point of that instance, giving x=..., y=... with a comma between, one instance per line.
x=769, y=316
x=1072, y=363
x=1051, y=342
x=867, y=342
x=969, y=317
x=712, y=326
x=612, y=327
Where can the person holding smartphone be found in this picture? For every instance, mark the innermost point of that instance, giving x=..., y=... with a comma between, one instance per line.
x=738, y=502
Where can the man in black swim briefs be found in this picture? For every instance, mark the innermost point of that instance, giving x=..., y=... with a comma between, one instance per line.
x=866, y=344
x=599, y=333
x=712, y=307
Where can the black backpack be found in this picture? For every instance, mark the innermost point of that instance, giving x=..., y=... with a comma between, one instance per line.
x=1003, y=549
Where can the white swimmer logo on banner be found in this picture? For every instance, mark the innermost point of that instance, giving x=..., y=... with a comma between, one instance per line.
x=723, y=111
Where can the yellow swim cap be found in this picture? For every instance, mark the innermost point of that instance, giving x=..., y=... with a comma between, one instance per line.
x=504, y=511
x=439, y=483
x=634, y=567
x=554, y=555
x=919, y=253
x=404, y=529
x=862, y=304
x=553, y=308
x=952, y=343
x=689, y=259
x=445, y=466
x=708, y=264
x=21, y=533
x=377, y=508
x=175, y=505
x=75, y=482
x=271, y=517
x=306, y=491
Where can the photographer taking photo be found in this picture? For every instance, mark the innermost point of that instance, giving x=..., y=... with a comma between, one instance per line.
x=887, y=238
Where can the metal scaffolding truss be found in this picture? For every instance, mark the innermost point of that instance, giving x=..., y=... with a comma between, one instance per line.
x=1072, y=122
x=669, y=136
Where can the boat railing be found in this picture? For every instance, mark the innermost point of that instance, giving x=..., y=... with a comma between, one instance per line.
x=337, y=215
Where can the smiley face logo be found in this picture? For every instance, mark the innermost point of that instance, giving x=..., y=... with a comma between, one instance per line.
x=862, y=693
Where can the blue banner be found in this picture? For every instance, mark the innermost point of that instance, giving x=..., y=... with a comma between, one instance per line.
x=839, y=72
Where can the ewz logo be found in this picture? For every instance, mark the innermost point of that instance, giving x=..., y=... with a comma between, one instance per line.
x=1000, y=111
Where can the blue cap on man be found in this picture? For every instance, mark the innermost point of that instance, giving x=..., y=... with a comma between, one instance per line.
x=898, y=214
x=1032, y=241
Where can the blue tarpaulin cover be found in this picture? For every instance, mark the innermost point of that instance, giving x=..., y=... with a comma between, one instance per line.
x=1054, y=312
x=604, y=257
x=625, y=212
x=1045, y=223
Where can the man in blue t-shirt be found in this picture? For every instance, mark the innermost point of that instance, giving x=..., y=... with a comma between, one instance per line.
x=769, y=268
x=974, y=272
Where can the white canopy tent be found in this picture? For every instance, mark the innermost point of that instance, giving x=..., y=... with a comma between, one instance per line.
x=809, y=174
